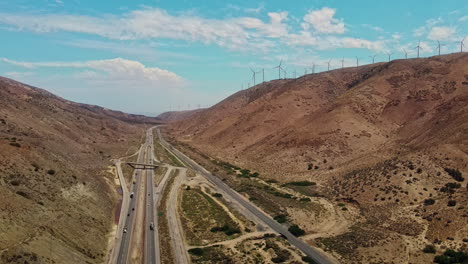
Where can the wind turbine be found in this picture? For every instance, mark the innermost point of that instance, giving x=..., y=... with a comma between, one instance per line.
x=263, y=74
x=418, y=47
x=329, y=64
x=462, y=44
x=342, y=63
x=253, y=75
x=279, y=69
x=357, y=61
x=406, y=53
x=438, y=46
x=294, y=73
x=313, y=68
x=389, y=55
x=305, y=71
x=285, y=73
x=373, y=57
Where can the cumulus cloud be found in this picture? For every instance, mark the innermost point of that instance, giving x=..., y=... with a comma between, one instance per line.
x=441, y=33
x=323, y=21
x=116, y=70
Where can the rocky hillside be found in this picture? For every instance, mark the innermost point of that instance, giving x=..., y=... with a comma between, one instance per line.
x=388, y=139
x=57, y=198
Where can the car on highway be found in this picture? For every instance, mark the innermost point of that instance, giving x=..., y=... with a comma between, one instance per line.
x=152, y=226
x=125, y=230
x=131, y=195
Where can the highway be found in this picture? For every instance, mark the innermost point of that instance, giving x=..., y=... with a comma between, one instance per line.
x=315, y=254
x=143, y=192
x=151, y=252
x=123, y=252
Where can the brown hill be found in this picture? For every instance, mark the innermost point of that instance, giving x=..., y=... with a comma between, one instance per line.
x=56, y=196
x=380, y=135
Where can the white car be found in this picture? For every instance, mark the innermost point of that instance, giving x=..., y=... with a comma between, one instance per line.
x=125, y=230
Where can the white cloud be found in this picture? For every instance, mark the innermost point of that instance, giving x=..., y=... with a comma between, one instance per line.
x=323, y=21
x=462, y=19
x=423, y=30
x=151, y=23
x=375, y=28
x=118, y=70
x=332, y=42
x=441, y=33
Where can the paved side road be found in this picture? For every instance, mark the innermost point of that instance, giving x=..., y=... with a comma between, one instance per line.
x=316, y=255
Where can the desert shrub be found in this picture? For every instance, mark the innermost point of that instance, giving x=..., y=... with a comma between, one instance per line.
x=305, y=199
x=453, y=185
x=24, y=194
x=217, y=195
x=281, y=218
x=196, y=251
x=419, y=170
x=301, y=183
x=429, y=249
x=451, y=203
x=15, y=182
x=341, y=204
x=452, y=257
x=308, y=259
x=283, y=195
x=51, y=172
x=15, y=144
x=296, y=230
x=278, y=260
x=429, y=201
x=228, y=230
x=455, y=173
x=188, y=188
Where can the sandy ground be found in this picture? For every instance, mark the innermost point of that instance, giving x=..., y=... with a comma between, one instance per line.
x=175, y=226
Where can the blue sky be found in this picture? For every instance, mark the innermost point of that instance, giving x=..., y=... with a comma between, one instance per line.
x=152, y=56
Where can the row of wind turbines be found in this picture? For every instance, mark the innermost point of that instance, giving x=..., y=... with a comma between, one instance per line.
x=389, y=54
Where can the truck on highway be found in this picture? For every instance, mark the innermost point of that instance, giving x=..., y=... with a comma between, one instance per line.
x=131, y=195
x=152, y=226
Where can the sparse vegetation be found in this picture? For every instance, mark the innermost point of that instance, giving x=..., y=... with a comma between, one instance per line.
x=301, y=183
x=296, y=230
x=308, y=260
x=281, y=218
x=451, y=203
x=196, y=251
x=455, y=173
x=429, y=201
x=204, y=220
x=429, y=249
x=452, y=257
